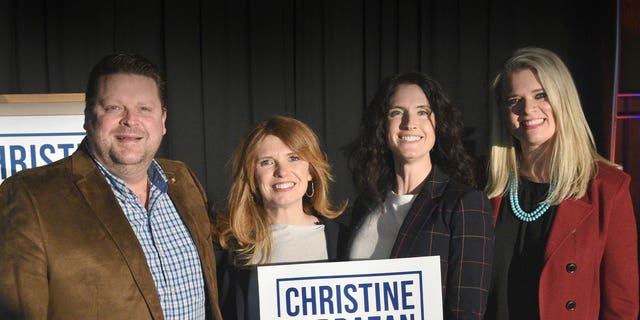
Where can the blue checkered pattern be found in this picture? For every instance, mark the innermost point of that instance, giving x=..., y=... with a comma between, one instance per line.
x=171, y=254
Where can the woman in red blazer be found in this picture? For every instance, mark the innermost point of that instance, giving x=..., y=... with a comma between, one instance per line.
x=566, y=240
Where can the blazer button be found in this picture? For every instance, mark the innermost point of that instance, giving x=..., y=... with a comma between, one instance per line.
x=571, y=305
x=571, y=267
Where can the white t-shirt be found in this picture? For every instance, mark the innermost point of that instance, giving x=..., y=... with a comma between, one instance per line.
x=298, y=243
x=379, y=230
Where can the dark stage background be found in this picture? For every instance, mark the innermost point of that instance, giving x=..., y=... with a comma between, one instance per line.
x=230, y=64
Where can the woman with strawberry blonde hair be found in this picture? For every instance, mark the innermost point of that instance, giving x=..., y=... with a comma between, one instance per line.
x=279, y=211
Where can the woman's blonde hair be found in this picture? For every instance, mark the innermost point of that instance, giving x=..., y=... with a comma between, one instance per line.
x=245, y=227
x=573, y=156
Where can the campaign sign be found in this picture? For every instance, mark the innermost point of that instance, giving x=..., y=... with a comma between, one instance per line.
x=389, y=289
x=32, y=141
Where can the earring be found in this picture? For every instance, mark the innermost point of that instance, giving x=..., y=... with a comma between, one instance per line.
x=312, y=190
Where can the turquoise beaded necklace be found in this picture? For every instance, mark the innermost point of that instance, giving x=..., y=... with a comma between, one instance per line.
x=515, y=204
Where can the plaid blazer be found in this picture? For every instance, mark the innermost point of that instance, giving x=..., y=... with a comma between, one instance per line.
x=455, y=222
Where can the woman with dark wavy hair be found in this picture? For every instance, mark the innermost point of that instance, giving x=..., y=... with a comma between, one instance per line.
x=415, y=197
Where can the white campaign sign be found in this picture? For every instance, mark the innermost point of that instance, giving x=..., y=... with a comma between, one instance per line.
x=389, y=289
x=31, y=141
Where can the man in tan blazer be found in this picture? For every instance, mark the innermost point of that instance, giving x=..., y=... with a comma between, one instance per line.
x=109, y=232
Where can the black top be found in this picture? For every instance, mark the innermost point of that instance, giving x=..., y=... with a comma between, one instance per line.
x=519, y=256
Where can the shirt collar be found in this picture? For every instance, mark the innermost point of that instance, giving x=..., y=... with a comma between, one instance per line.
x=156, y=175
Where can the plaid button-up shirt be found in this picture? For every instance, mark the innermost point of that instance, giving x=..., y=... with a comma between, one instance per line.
x=167, y=245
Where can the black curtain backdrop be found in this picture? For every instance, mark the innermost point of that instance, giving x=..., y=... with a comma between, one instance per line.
x=230, y=64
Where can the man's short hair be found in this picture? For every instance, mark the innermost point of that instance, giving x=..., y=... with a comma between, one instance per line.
x=127, y=63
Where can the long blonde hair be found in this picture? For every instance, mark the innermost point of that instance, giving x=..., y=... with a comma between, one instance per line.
x=245, y=227
x=573, y=156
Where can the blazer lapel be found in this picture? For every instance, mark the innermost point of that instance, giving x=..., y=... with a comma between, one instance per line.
x=186, y=196
x=420, y=210
x=97, y=193
x=183, y=200
x=331, y=234
x=495, y=204
x=570, y=214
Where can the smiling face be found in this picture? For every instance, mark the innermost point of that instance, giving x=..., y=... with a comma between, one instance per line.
x=531, y=116
x=410, y=125
x=126, y=124
x=281, y=175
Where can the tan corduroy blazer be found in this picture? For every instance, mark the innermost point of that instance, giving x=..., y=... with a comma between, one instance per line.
x=67, y=250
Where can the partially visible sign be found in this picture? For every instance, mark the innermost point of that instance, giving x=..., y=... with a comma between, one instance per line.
x=390, y=289
x=38, y=129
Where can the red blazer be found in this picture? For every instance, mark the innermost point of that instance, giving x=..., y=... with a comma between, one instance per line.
x=591, y=260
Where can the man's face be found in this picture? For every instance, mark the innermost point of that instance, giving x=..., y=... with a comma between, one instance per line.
x=126, y=124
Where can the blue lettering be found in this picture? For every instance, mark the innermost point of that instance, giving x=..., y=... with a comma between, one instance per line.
x=343, y=299
x=405, y=294
x=14, y=158
x=43, y=155
x=325, y=296
x=66, y=148
x=338, y=299
x=365, y=287
x=292, y=292
x=377, y=285
x=354, y=303
x=390, y=295
x=3, y=164
x=32, y=149
x=17, y=159
x=308, y=300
